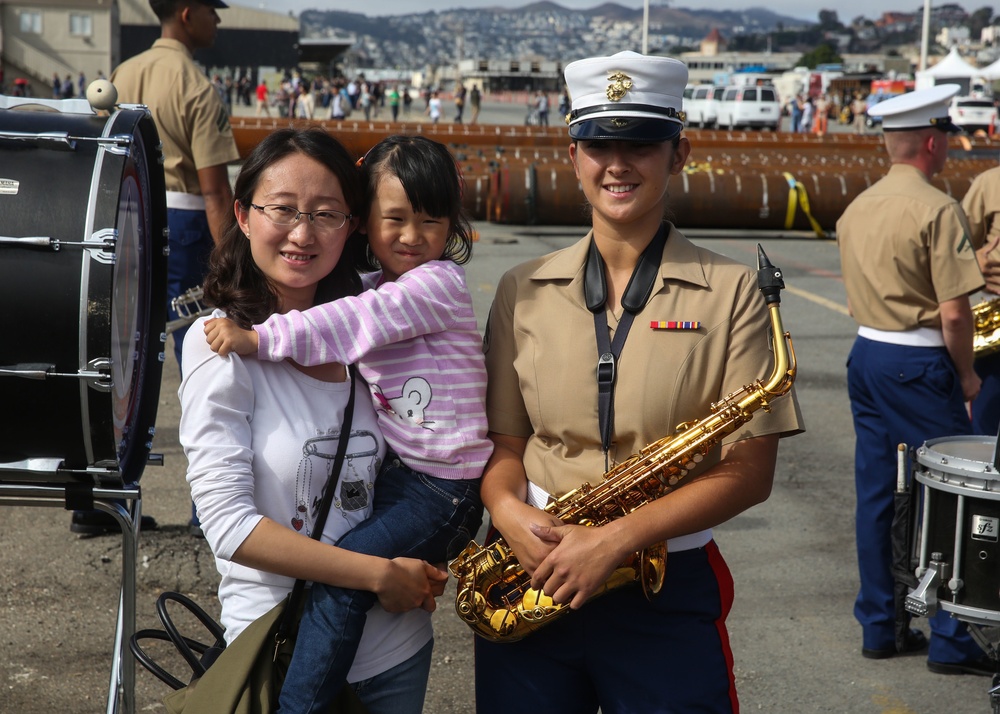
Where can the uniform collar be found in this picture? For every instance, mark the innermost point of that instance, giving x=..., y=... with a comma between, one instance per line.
x=171, y=44
x=900, y=169
x=681, y=263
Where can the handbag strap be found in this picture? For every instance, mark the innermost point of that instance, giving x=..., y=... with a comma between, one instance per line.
x=290, y=615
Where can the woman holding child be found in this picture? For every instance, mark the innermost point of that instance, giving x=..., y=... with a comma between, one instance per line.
x=259, y=436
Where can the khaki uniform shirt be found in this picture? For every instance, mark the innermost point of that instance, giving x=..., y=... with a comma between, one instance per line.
x=982, y=207
x=541, y=357
x=905, y=248
x=188, y=112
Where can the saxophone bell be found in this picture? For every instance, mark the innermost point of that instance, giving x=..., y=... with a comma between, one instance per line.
x=986, y=334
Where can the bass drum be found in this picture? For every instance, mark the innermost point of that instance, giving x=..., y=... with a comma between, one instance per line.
x=83, y=281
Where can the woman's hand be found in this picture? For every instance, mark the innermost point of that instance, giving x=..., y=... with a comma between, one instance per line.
x=225, y=336
x=409, y=583
x=504, y=491
x=518, y=523
x=582, y=559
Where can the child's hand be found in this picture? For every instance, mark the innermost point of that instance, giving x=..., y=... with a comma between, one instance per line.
x=224, y=336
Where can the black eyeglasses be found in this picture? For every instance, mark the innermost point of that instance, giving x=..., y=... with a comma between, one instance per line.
x=326, y=219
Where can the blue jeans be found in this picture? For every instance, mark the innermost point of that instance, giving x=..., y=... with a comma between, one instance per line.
x=190, y=245
x=399, y=689
x=415, y=516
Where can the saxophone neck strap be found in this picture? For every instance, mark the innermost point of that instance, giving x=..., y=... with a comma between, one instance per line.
x=637, y=292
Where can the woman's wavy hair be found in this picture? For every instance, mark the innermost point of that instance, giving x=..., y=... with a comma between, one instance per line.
x=234, y=282
x=433, y=185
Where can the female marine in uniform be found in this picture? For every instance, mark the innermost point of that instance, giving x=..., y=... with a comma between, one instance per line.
x=550, y=319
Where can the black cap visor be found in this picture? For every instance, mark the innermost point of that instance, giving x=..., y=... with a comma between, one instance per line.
x=218, y=4
x=942, y=123
x=625, y=129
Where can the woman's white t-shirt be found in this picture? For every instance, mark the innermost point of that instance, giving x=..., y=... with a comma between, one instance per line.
x=260, y=439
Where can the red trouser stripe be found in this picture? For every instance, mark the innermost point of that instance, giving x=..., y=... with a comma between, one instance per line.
x=726, y=594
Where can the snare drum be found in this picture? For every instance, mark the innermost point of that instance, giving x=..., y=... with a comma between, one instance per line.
x=960, y=520
x=83, y=285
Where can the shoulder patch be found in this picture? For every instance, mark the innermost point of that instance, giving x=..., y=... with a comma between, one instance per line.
x=223, y=121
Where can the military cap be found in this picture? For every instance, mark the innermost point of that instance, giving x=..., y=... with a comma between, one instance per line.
x=626, y=97
x=921, y=109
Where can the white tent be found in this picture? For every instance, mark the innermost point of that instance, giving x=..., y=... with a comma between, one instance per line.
x=951, y=69
x=990, y=71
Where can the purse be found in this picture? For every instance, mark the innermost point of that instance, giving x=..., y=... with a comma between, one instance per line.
x=246, y=676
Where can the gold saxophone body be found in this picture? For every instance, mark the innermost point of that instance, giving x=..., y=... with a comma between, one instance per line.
x=986, y=338
x=495, y=597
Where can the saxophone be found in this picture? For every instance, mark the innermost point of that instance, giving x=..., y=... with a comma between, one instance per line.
x=986, y=338
x=494, y=593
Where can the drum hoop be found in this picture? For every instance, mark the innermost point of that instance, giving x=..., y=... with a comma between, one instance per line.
x=125, y=125
x=85, y=279
x=972, y=488
x=990, y=618
x=930, y=457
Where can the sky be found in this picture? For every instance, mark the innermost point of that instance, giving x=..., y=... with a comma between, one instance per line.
x=804, y=9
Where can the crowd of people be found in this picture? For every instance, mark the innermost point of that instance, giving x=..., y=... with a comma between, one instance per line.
x=66, y=88
x=813, y=114
x=293, y=95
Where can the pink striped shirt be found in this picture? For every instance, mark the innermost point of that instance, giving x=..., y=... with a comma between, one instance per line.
x=416, y=343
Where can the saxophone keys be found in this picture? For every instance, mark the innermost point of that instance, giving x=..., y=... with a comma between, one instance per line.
x=503, y=622
x=470, y=604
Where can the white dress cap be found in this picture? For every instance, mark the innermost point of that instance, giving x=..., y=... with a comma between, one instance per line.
x=626, y=97
x=921, y=109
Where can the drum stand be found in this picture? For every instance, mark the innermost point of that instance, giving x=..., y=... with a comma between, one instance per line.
x=121, y=690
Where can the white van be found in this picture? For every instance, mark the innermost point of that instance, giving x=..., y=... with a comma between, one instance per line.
x=700, y=102
x=755, y=106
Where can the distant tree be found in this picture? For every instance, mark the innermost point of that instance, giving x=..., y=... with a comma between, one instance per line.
x=822, y=54
x=979, y=20
x=828, y=20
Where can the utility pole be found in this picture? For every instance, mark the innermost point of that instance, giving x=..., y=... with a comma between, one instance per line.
x=645, y=27
x=925, y=35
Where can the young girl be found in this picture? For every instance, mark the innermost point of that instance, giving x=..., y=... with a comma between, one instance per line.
x=415, y=339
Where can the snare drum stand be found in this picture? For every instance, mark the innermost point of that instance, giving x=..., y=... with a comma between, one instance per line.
x=121, y=690
x=983, y=641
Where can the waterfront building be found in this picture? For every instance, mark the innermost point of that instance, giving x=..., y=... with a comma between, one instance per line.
x=41, y=38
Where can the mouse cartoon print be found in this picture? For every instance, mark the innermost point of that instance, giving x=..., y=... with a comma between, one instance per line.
x=410, y=405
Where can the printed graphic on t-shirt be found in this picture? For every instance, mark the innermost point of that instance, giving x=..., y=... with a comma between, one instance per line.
x=361, y=465
x=410, y=405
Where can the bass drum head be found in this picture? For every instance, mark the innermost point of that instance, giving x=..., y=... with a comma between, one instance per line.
x=138, y=303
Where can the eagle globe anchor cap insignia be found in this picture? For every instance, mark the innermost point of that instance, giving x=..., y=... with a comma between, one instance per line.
x=620, y=84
